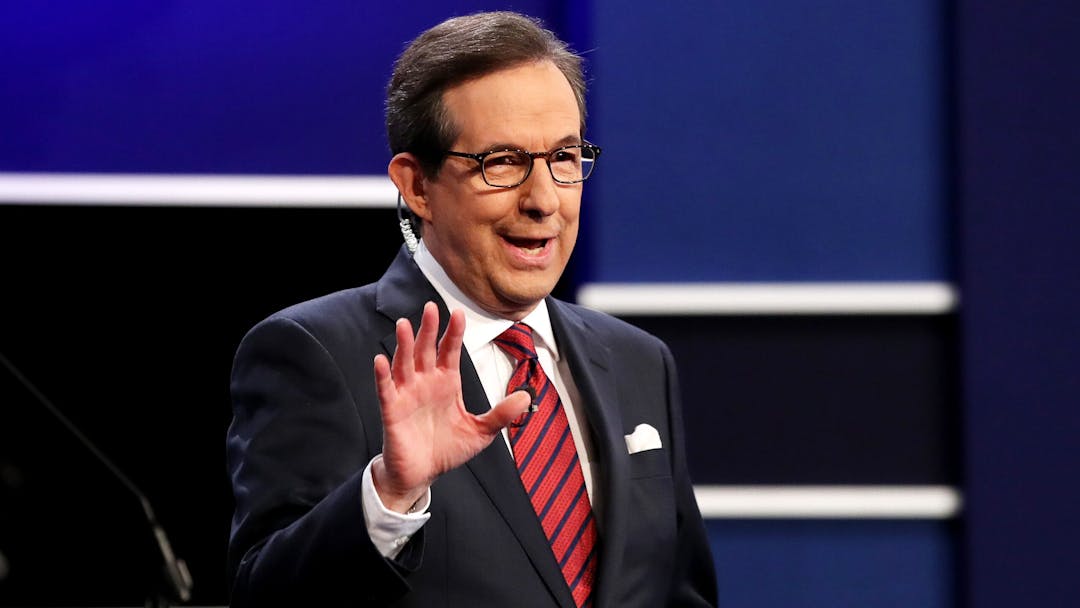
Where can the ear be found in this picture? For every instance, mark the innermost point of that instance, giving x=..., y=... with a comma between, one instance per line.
x=408, y=176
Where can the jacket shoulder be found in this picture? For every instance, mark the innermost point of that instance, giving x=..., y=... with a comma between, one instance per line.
x=614, y=332
x=328, y=318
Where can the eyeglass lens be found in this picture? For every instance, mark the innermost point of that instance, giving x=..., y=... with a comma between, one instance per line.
x=569, y=165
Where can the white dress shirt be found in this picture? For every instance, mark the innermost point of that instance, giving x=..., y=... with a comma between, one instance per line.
x=390, y=530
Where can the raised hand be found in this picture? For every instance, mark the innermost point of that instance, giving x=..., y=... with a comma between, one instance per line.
x=426, y=429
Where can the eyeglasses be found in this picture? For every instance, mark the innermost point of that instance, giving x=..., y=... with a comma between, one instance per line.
x=509, y=168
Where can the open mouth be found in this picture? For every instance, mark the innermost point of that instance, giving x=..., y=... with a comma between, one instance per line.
x=529, y=245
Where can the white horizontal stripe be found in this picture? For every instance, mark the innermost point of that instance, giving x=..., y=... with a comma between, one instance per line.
x=213, y=190
x=769, y=298
x=840, y=502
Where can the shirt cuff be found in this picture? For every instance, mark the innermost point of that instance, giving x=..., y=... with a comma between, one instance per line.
x=390, y=530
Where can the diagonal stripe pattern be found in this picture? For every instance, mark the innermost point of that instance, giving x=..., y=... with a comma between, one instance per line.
x=547, y=462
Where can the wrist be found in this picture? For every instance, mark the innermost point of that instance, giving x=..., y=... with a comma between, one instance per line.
x=400, y=501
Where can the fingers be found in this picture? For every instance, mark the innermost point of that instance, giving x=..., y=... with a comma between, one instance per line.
x=384, y=380
x=425, y=338
x=505, y=412
x=419, y=354
x=403, y=365
x=450, y=345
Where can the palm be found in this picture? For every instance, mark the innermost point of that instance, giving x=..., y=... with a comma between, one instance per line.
x=426, y=428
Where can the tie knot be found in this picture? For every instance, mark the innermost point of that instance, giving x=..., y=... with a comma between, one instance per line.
x=517, y=341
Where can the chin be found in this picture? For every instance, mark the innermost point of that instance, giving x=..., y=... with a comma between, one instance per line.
x=526, y=297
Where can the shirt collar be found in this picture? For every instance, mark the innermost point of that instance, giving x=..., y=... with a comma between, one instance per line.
x=481, y=327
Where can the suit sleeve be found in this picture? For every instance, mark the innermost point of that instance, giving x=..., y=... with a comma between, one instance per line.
x=694, y=580
x=296, y=450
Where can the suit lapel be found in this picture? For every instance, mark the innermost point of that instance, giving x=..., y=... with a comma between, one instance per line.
x=590, y=364
x=402, y=292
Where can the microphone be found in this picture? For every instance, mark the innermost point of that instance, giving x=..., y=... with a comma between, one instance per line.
x=176, y=578
x=533, y=405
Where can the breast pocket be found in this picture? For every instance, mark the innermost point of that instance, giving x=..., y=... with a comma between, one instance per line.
x=650, y=463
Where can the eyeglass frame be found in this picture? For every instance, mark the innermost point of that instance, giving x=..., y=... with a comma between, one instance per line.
x=479, y=158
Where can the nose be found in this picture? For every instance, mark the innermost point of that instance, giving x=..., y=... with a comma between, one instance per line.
x=540, y=192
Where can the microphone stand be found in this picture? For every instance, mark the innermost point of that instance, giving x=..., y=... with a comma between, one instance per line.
x=175, y=584
x=9, y=480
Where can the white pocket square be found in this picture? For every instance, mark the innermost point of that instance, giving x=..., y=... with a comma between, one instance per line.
x=644, y=437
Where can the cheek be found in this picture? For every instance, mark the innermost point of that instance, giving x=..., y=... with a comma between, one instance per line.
x=570, y=223
x=570, y=207
x=464, y=228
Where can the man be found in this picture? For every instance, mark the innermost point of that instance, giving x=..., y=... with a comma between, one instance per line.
x=530, y=456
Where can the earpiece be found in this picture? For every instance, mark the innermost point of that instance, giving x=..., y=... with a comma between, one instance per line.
x=405, y=224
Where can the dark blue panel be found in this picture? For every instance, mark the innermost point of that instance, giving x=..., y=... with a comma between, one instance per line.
x=773, y=140
x=206, y=87
x=1020, y=166
x=811, y=564
x=817, y=399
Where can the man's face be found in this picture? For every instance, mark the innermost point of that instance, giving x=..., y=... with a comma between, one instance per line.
x=505, y=247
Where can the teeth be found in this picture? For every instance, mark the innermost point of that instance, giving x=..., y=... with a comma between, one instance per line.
x=532, y=250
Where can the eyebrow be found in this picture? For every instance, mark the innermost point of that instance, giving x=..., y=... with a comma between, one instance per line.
x=569, y=140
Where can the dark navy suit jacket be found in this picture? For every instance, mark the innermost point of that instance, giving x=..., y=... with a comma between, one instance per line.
x=306, y=423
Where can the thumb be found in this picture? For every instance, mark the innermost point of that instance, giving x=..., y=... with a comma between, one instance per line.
x=505, y=412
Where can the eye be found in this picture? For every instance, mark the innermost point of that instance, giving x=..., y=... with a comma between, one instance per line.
x=507, y=158
x=566, y=155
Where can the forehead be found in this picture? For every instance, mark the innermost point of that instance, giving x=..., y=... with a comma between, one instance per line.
x=525, y=105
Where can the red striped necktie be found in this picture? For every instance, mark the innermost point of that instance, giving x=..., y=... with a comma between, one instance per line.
x=547, y=461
